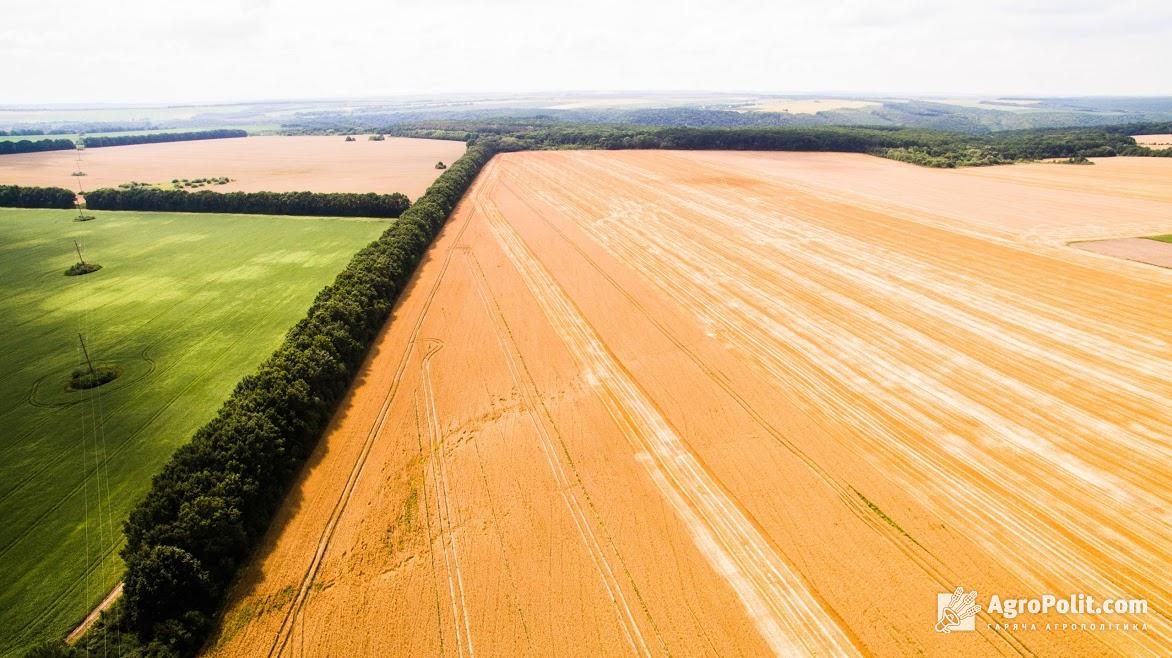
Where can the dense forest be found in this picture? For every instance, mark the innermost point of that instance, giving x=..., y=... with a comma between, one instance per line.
x=212, y=502
x=974, y=117
x=35, y=146
x=156, y=138
x=36, y=197
x=336, y=204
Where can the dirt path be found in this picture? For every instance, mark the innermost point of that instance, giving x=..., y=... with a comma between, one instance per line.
x=93, y=616
x=649, y=403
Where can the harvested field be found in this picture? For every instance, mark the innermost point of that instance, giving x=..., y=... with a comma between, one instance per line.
x=255, y=164
x=1043, y=204
x=737, y=404
x=1152, y=252
x=1154, y=141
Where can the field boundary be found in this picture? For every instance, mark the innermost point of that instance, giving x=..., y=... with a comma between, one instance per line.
x=212, y=502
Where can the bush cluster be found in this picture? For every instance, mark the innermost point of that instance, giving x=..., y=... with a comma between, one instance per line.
x=335, y=204
x=78, y=269
x=17, y=196
x=212, y=502
x=156, y=138
x=200, y=182
x=84, y=379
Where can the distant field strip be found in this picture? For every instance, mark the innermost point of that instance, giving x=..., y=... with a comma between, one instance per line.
x=735, y=403
x=254, y=164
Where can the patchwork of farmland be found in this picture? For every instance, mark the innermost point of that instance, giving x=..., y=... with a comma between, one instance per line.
x=706, y=403
x=184, y=306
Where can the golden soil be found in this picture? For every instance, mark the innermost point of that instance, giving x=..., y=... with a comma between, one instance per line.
x=738, y=404
x=271, y=163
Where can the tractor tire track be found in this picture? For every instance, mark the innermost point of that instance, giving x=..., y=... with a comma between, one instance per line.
x=285, y=630
x=566, y=483
x=787, y=615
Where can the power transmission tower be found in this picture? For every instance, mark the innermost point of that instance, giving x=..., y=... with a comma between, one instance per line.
x=78, y=248
x=86, y=352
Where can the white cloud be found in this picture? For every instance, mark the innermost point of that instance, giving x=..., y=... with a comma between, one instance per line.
x=161, y=50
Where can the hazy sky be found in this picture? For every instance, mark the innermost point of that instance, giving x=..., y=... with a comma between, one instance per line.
x=213, y=50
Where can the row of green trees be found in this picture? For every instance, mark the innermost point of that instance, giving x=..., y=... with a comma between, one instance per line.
x=35, y=146
x=334, y=204
x=848, y=139
x=155, y=138
x=15, y=132
x=931, y=148
x=36, y=197
x=210, y=505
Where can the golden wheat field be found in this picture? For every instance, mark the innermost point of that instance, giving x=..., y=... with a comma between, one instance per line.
x=732, y=403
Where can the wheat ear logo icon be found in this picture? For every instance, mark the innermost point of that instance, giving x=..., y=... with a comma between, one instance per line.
x=960, y=607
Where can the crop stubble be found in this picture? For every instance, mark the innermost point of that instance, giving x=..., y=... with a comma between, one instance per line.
x=721, y=403
x=255, y=164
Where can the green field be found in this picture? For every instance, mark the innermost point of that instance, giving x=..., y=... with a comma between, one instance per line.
x=1161, y=238
x=184, y=305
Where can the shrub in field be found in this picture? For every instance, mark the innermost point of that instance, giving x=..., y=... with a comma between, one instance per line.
x=213, y=501
x=83, y=379
x=78, y=269
x=51, y=650
x=337, y=204
x=36, y=197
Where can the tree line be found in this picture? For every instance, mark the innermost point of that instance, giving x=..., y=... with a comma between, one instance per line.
x=62, y=144
x=932, y=148
x=332, y=204
x=156, y=138
x=21, y=132
x=212, y=502
x=35, y=146
x=36, y=197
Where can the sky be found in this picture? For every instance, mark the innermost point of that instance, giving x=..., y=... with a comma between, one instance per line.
x=127, y=51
